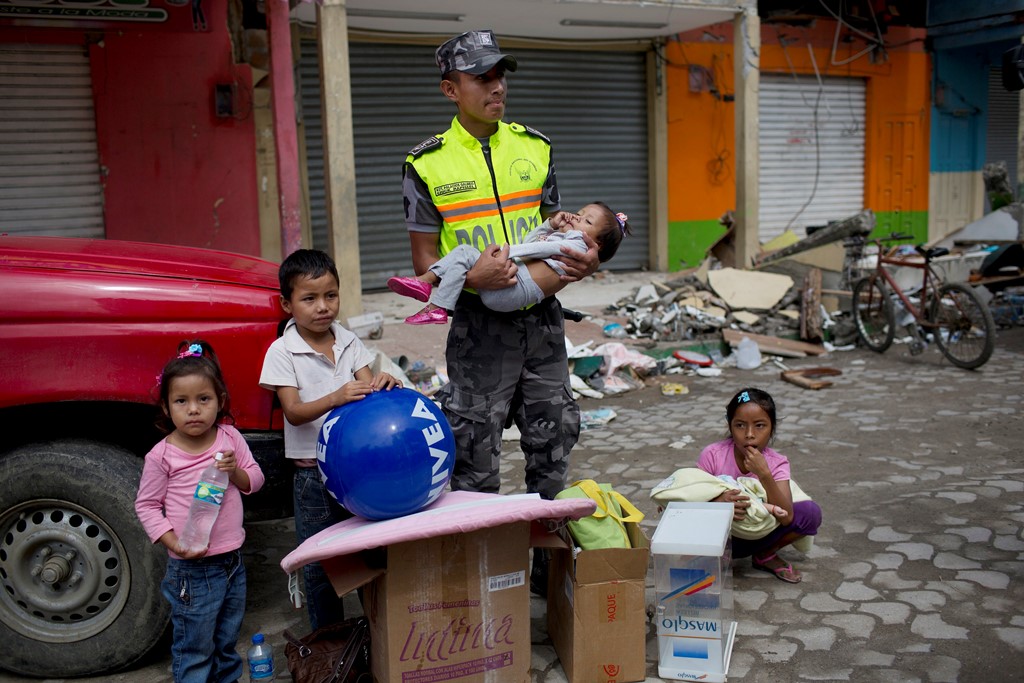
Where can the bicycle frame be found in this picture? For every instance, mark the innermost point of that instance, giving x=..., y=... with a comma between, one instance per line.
x=929, y=282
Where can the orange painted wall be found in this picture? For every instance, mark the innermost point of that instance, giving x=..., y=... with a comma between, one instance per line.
x=701, y=143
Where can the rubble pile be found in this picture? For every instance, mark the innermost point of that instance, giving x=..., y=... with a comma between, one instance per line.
x=689, y=309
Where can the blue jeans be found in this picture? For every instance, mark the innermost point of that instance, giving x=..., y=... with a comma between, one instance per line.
x=207, y=599
x=315, y=510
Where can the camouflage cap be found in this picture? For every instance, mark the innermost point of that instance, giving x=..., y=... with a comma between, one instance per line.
x=473, y=52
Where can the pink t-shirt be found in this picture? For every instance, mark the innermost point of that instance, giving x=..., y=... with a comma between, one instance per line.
x=719, y=458
x=169, y=479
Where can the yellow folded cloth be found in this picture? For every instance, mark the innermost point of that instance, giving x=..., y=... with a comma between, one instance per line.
x=694, y=485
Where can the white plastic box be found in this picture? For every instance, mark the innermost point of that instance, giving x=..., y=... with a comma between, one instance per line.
x=693, y=585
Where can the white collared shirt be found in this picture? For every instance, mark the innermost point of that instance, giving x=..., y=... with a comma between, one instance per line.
x=292, y=362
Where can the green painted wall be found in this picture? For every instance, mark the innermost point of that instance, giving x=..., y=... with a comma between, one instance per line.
x=906, y=222
x=689, y=241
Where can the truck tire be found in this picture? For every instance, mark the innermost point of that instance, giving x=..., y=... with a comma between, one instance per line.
x=79, y=578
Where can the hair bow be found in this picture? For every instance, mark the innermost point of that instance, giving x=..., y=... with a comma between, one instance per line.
x=194, y=350
x=622, y=218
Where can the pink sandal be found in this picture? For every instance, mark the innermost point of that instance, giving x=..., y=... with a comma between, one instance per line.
x=410, y=287
x=784, y=573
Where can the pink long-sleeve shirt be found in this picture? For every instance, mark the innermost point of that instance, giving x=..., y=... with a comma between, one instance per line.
x=719, y=458
x=169, y=479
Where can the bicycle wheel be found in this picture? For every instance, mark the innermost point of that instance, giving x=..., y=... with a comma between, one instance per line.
x=873, y=314
x=966, y=332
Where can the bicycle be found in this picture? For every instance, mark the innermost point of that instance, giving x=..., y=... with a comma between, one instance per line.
x=957, y=319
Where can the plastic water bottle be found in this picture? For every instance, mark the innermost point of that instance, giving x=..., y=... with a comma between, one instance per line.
x=206, y=502
x=261, y=660
x=748, y=355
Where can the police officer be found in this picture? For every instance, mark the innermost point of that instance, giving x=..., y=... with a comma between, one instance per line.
x=487, y=183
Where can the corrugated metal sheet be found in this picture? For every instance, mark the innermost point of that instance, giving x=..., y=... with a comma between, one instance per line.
x=592, y=105
x=49, y=163
x=812, y=151
x=1001, y=125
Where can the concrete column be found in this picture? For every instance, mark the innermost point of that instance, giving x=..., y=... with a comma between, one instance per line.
x=285, y=134
x=657, y=124
x=747, y=78
x=339, y=153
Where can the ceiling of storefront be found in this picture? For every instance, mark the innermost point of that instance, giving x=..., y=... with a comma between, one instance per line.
x=546, y=20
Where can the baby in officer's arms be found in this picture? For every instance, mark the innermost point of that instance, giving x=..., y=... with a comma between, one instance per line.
x=539, y=274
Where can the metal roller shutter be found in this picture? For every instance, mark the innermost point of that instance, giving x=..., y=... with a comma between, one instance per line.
x=817, y=161
x=49, y=163
x=1001, y=126
x=592, y=105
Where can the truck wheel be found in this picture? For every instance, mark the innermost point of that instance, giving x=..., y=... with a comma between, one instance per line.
x=79, y=579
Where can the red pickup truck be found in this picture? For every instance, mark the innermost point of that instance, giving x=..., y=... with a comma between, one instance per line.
x=85, y=328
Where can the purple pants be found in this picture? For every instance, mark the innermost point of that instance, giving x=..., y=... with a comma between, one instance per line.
x=806, y=520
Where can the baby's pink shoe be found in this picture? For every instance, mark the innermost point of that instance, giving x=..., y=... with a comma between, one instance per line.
x=434, y=316
x=410, y=287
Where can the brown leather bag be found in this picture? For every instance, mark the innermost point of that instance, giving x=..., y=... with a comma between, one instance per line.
x=339, y=653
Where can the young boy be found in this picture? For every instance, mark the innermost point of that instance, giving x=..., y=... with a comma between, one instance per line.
x=315, y=366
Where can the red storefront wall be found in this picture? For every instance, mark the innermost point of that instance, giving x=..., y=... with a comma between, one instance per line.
x=173, y=171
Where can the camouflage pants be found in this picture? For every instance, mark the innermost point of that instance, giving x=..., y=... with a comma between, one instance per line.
x=493, y=358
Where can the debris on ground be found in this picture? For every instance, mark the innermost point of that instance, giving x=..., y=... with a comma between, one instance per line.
x=596, y=418
x=674, y=389
x=807, y=377
x=695, y=323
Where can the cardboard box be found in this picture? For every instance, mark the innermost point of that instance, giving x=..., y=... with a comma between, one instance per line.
x=596, y=613
x=448, y=608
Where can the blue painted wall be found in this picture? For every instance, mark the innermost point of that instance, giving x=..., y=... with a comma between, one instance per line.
x=960, y=105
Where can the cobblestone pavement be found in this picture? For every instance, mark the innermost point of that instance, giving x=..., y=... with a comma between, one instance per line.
x=918, y=466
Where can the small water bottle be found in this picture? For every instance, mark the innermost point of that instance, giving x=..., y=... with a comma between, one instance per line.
x=206, y=502
x=261, y=660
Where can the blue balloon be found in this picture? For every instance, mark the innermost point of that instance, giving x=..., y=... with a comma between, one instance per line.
x=387, y=455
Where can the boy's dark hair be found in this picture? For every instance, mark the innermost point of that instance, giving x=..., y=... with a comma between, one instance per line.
x=311, y=263
x=758, y=397
x=610, y=237
x=194, y=357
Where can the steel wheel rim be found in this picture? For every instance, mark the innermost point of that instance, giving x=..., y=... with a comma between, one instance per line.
x=64, y=575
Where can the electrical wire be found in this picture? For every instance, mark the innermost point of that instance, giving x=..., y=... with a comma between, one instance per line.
x=835, y=44
x=839, y=18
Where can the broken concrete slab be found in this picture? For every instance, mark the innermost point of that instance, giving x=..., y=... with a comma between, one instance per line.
x=749, y=289
x=1003, y=225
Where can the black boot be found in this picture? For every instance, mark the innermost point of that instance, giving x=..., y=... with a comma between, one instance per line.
x=539, y=573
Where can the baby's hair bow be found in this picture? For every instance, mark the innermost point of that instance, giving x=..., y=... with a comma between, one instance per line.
x=194, y=350
x=622, y=218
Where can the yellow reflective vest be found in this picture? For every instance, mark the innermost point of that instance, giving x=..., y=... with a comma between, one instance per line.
x=475, y=203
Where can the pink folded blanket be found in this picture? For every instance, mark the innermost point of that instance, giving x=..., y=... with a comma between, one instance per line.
x=454, y=512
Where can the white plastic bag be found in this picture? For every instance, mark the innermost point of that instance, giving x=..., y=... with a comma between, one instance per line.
x=748, y=356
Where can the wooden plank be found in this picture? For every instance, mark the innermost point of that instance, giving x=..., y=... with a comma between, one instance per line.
x=805, y=377
x=775, y=345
